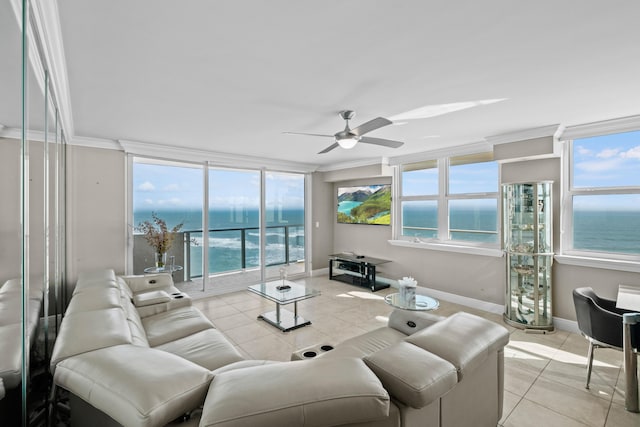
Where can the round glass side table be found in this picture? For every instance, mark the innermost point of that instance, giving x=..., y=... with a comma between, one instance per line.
x=168, y=269
x=418, y=303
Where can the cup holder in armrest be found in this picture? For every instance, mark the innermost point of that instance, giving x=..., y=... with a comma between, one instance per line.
x=178, y=296
x=311, y=352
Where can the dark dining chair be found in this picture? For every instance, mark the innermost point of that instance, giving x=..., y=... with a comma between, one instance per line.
x=600, y=322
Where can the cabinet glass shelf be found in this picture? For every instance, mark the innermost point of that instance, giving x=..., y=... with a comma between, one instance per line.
x=528, y=244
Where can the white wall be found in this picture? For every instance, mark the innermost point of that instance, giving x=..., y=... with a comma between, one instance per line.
x=322, y=221
x=96, y=214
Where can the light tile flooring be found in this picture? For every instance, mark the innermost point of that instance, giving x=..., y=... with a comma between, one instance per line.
x=544, y=373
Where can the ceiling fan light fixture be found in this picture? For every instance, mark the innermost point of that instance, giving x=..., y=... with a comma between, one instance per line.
x=347, y=143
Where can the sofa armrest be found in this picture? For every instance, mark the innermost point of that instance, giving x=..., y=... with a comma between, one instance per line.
x=411, y=374
x=136, y=386
x=309, y=392
x=149, y=282
x=463, y=339
x=409, y=322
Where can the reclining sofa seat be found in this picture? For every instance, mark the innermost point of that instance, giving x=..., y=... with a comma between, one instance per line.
x=420, y=370
x=141, y=371
x=447, y=373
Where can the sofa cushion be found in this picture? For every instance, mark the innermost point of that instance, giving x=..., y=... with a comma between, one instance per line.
x=241, y=365
x=92, y=279
x=94, y=299
x=398, y=366
x=463, y=339
x=365, y=344
x=174, y=324
x=208, y=348
x=136, y=386
x=138, y=334
x=316, y=392
x=85, y=331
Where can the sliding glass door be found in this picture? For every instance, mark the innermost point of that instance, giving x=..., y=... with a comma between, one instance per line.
x=253, y=229
x=234, y=228
x=284, y=220
x=168, y=194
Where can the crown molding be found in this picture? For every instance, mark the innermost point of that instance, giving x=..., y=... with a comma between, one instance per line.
x=354, y=164
x=214, y=157
x=624, y=124
x=46, y=22
x=32, y=135
x=526, y=134
x=458, y=150
x=87, y=141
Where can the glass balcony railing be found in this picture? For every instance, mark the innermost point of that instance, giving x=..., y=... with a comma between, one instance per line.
x=229, y=249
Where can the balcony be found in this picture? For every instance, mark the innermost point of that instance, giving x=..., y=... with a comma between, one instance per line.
x=231, y=250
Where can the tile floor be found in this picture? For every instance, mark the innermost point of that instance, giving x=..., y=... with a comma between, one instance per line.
x=544, y=373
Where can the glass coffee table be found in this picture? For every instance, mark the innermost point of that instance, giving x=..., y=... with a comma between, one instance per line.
x=283, y=292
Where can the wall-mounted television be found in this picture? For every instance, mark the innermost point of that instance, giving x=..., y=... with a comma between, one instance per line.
x=365, y=204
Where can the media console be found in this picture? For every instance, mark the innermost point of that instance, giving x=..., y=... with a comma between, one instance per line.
x=356, y=270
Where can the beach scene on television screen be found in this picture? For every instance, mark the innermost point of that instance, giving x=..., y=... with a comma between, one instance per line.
x=365, y=204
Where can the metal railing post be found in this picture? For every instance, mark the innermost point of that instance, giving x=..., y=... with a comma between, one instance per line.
x=243, y=248
x=187, y=256
x=286, y=245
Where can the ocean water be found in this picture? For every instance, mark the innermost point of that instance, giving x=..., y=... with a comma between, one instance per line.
x=610, y=231
x=617, y=232
x=233, y=226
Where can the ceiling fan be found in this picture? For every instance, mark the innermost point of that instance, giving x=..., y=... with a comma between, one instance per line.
x=348, y=138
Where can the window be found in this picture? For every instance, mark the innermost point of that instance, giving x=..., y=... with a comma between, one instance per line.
x=253, y=227
x=451, y=200
x=604, y=195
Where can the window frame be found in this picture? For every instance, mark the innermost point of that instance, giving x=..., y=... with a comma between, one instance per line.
x=567, y=253
x=443, y=241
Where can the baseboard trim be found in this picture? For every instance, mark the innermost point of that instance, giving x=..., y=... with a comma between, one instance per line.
x=462, y=300
x=320, y=272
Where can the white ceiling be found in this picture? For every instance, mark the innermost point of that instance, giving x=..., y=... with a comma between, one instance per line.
x=231, y=76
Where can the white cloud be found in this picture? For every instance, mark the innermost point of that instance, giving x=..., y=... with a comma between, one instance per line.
x=608, y=153
x=172, y=187
x=599, y=166
x=584, y=151
x=632, y=153
x=146, y=186
x=175, y=201
x=148, y=201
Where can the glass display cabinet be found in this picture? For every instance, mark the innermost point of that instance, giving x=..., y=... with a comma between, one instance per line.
x=528, y=243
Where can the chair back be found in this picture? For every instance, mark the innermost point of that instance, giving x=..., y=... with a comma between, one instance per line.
x=596, y=319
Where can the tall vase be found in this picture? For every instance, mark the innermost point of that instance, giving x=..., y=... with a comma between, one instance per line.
x=161, y=259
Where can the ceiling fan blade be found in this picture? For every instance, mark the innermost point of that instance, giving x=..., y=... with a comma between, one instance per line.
x=380, y=141
x=374, y=124
x=309, y=134
x=329, y=148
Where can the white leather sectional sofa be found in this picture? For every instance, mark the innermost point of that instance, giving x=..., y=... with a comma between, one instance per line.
x=125, y=369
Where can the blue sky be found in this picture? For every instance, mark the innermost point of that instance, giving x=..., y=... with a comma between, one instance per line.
x=469, y=178
x=607, y=161
x=162, y=187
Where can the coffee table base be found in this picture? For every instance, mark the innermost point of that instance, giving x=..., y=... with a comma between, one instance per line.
x=288, y=320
